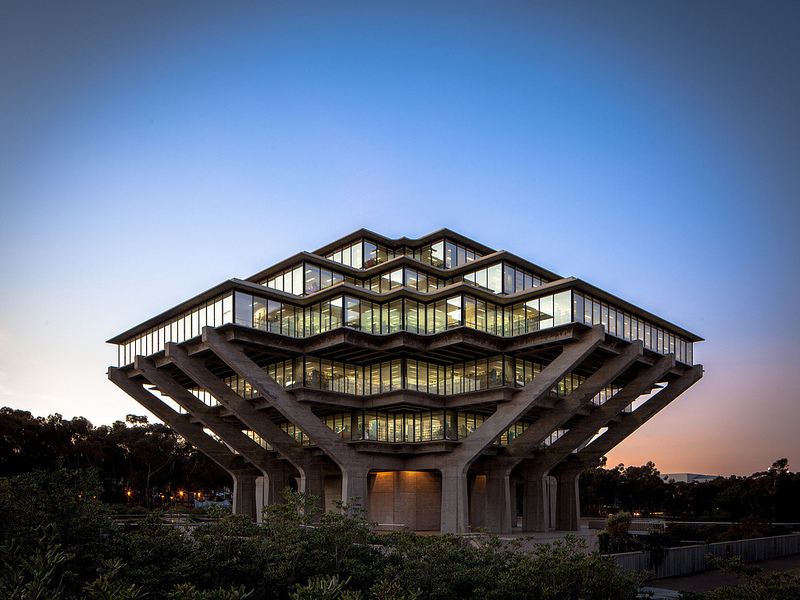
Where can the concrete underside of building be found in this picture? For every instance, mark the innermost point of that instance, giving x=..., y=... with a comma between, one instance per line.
x=403, y=401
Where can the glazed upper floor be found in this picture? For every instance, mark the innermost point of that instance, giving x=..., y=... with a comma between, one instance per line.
x=485, y=291
x=551, y=306
x=373, y=262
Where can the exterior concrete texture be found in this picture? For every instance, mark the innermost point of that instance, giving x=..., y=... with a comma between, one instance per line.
x=436, y=383
x=405, y=499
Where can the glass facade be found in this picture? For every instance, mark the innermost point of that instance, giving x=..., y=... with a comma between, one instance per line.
x=187, y=325
x=410, y=427
x=410, y=278
x=624, y=325
x=405, y=314
x=445, y=254
x=362, y=254
x=503, y=278
x=405, y=374
x=305, y=279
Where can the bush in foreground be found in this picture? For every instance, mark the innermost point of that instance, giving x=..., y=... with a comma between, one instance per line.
x=295, y=553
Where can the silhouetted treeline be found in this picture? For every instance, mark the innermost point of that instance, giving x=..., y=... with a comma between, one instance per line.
x=772, y=495
x=137, y=461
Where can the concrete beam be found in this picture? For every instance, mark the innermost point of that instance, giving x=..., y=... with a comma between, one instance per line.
x=507, y=414
x=311, y=469
x=454, y=466
x=207, y=415
x=568, y=472
x=629, y=423
x=242, y=474
x=587, y=427
x=354, y=466
x=534, y=435
x=535, y=470
x=301, y=415
x=502, y=465
x=260, y=457
x=242, y=408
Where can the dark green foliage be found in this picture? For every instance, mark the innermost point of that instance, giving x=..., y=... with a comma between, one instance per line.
x=563, y=570
x=189, y=592
x=445, y=567
x=109, y=587
x=33, y=572
x=327, y=587
x=144, y=459
x=619, y=525
x=69, y=502
x=296, y=551
x=156, y=557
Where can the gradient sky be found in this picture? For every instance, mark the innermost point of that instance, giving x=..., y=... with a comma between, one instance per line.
x=150, y=150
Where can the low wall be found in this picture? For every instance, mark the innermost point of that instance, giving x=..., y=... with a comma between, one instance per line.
x=692, y=559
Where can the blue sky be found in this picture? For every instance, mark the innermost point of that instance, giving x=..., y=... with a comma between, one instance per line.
x=151, y=150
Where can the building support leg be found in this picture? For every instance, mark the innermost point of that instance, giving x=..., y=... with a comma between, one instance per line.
x=536, y=501
x=355, y=491
x=498, y=517
x=454, y=501
x=568, y=507
x=312, y=483
x=244, y=492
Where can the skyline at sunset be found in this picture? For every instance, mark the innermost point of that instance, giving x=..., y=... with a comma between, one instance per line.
x=152, y=151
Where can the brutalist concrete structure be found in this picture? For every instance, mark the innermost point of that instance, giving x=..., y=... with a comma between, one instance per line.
x=437, y=382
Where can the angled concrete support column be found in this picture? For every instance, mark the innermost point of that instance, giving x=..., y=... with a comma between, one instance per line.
x=242, y=474
x=535, y=518
x=499, y=501
x=307, y=465
x=244, y=493
x=346, y=458
x=551, y=420
x=629, y=423
x=583, y=430
x=568, y=508
x=241, y=407
x=586, y=427
x=531, y=395
x=209, y=417
x=536, y=502
x=455, y=502
x=454, y=485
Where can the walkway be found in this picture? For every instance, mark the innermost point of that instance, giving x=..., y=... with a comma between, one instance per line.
x=711, y=580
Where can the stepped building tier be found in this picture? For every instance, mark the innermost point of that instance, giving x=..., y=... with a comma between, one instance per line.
x=439, y=384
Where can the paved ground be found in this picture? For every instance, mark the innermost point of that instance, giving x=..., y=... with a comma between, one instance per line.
x=711, y=580
x=587, y=535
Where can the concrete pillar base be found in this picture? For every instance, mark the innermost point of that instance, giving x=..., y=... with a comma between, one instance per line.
x=568, y=513
x=454, y=502
x=244, y=493
x=535, y=503
x=498, y=513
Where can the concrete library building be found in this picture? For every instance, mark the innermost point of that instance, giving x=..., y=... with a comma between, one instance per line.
x=436, y=383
